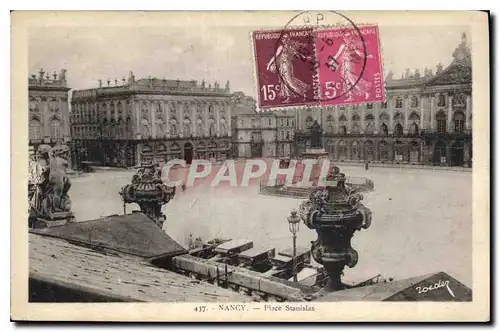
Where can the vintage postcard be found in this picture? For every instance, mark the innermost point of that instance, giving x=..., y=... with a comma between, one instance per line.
x=250, y=166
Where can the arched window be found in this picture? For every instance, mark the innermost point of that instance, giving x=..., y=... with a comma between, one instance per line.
x=384, y=129
x=55, y=129
x=369, y=106
x=414, y=128
x=398, y=129
x=441, y=122
x=355, y=117
x=212, y=130
x=309, y=122
x=35, y=130
x=384, y=105
x=441, y=100
x=355, y=128
x=355, y=150
x=459, y=121
x=342, y=150
x=384, y=151
x=342, y=118
x=414, y=116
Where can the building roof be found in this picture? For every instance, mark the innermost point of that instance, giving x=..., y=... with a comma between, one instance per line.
x=133, y=234
x=124, y=278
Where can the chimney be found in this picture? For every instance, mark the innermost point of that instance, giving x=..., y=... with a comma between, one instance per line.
x=390, y=75
x=417, y=73
x=100, y=83
x=407, y=73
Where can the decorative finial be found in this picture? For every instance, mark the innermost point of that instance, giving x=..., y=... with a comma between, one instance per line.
x=227, y=85
x=109, y=82
x=54, y=75
x=116, y=82
x=464, y=38
x=439, y=68
x=41, y=72
x=100, y=83
x=123, y=80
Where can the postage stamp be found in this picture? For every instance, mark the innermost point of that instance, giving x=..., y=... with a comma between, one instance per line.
x=318, y=67
x=285, y=67
x=214, y=174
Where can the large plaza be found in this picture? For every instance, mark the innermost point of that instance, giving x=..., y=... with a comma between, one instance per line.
x=422, y=219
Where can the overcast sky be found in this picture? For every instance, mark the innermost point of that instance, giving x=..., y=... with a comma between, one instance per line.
x=212, y=53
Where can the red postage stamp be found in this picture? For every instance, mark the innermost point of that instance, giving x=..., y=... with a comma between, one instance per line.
x=318, y=67
x=350, y=66
x=285, y=63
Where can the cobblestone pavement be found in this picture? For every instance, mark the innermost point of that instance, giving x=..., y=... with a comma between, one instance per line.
x=422, y=219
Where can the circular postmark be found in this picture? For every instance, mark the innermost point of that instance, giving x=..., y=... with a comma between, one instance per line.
x=314, y=42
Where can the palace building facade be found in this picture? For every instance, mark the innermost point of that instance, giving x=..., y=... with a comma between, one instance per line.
x=427, y=119
x=48, y=118
x=265, y=134
x=133, y=121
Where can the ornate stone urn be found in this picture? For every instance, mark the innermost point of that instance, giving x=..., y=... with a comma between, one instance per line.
x=149, y=192
x=335, y=212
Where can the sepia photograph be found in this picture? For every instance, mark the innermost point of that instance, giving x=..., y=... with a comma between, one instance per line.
x=253, y=163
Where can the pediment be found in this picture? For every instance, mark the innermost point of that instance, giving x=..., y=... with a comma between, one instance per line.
x=454, y=74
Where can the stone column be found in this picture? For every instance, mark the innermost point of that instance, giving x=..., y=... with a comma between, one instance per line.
x=406, y=112
x=180, y=118
x=349, y=120
x=390, y=105
x=206, y=126
x=217, y=119
x=228, y=120
x=152, y=116
x=165, y=106
x=376, y=115
x=362, y=119
x=450, y=114
x=136, y=109
x=468, y=112
x=192, y=107
x=44, y=108
x=433, y=112
x=422, y=112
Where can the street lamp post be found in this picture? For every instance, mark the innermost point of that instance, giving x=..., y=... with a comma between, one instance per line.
x=293, y=224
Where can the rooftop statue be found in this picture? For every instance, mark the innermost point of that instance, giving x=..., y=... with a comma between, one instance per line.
x=316, y=134
x=48, y=187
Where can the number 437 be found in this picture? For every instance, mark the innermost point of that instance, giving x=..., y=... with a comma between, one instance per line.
x=331, y=89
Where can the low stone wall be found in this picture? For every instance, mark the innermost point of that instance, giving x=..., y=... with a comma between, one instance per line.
x=408, y=166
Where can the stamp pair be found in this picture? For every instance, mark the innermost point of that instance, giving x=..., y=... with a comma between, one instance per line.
x=318, y=67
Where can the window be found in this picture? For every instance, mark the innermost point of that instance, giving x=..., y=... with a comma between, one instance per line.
x=309, y=122
x=441, y=122
x=384, y=129
x=343, y=130
x=399, y=102
x=35, y=130
x=269, y=122
x=173, y=130
x=369, y=106
x=414, y=101
x=441, y=100
x=287, y=122
x=384, y=105
x=459, y=121
x=55, y=129
x=398, y=129
x=414, y=128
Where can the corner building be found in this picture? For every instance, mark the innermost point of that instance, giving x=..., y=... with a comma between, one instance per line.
x=427, y=119
x=48, y=116
x=151, y=119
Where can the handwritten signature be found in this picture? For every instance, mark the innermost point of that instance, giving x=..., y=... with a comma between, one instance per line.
x=437, y=285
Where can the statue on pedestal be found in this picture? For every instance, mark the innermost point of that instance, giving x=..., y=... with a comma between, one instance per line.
x=335, y=212
x=48, y=187
x=316, y=134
